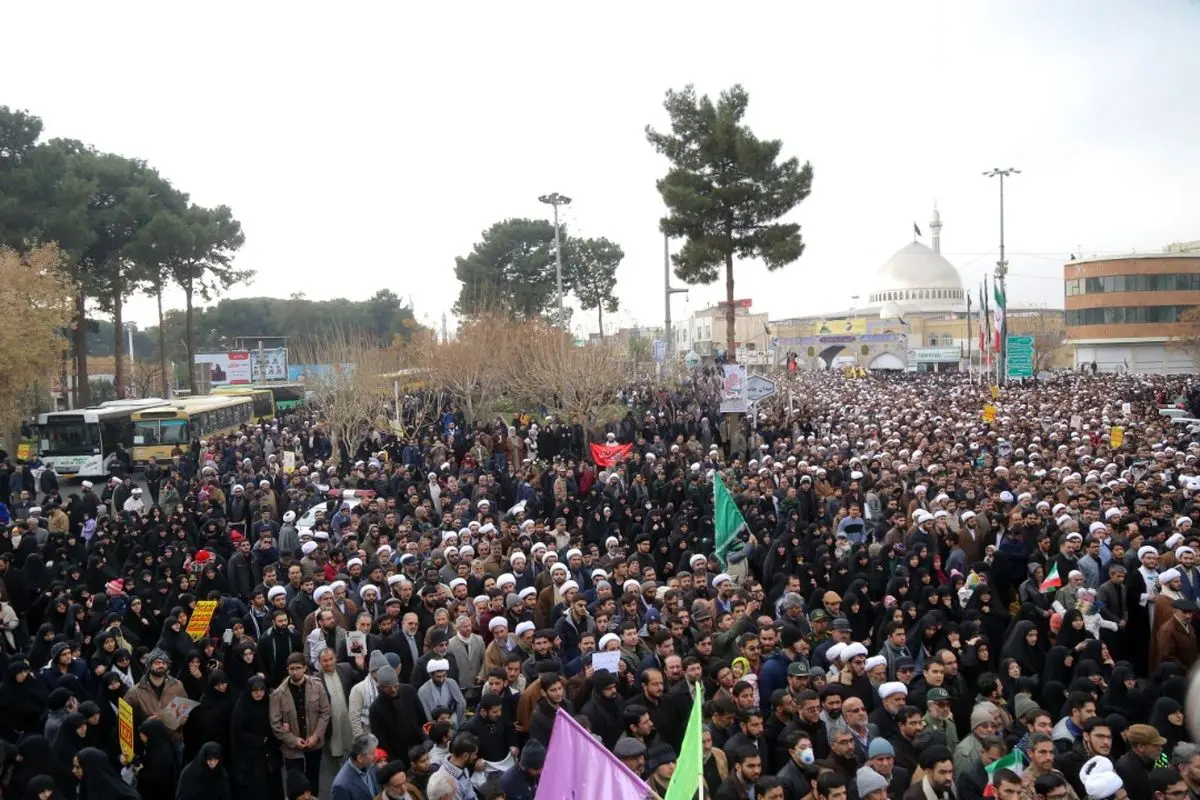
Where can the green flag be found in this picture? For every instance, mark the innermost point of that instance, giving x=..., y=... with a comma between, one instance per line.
x=1014, y=761
x=727, y=518
x=689, y=767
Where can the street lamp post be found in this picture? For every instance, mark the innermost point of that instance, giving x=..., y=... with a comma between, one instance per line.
x=555, y=199
x=1002, y=271
x=668, y=290
x=130, y=328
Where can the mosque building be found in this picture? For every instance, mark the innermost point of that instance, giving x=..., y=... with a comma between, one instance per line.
x=915, y=318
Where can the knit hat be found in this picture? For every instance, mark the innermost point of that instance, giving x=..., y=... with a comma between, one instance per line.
x=658, y=755
x=982, y=713
x=533, y=756
x=387, y=677
x=879, y=748
x=868, y=780
x=157, y=654
x=602, y=678
x=377, y=661
x=1023, y=704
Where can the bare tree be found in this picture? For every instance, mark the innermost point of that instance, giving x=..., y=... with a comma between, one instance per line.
x=35, y=299
x=147, y=380
x=473, y=368
x=349, y=383
x=1188, y=340
x=574, y=381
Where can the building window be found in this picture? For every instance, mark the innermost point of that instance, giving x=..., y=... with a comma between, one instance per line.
x=1171, y=282
x=947, y=340
x=933, y=340
x=1122, y=315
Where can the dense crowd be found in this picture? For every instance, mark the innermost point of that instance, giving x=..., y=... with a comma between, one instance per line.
x=921, y=605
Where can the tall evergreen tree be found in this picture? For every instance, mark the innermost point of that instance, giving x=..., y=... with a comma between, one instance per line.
x=593, y=265
x=726, y=191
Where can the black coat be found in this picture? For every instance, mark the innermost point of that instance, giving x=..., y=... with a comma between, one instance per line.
x=159, y=775
x=397, y=721
x=256, y=759
x=199, y=782
x=1133, y=773
x=606, y=718
x=397, y=643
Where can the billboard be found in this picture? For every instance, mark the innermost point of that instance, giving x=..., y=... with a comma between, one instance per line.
x=227, y=369
x=241, y=367
x=733, y=390
x=275, y=361
x=855, y=326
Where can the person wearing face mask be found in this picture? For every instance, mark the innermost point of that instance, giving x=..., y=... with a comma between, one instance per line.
x=155, y=690
x=798, y=773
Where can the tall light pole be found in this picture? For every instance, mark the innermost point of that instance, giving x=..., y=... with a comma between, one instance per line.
x=1002, y=271
x=555, y=199
x=668, y=290
x=130, y=328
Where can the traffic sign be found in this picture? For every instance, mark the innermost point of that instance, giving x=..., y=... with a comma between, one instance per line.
x=1019, y=357
x=759, y=388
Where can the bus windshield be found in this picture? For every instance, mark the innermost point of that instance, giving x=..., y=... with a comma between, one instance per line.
x=160, y=431
x=69, y=437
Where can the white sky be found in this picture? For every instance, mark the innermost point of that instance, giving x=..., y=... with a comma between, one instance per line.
x=367, y=144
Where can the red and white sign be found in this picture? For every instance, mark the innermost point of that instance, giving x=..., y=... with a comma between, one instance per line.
x=227, y=369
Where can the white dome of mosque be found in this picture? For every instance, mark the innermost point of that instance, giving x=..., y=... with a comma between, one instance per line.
x=917, y=277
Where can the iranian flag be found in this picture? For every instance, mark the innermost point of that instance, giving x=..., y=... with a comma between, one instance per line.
x=1053, y=580
x=1014, y=761
x=999, y=314
x=983, y=331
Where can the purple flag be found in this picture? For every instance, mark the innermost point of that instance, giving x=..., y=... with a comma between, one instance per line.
x=579, y=768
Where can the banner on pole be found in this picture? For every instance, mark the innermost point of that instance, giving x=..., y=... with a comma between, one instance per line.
x=734, y=399
x=125, y=728
x=1116, y=437
x=197, y=626
x=578, y=766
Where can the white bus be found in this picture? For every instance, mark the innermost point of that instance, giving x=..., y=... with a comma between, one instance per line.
x=81, y=443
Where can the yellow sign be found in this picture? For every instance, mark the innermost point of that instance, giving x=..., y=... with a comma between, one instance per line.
x=855, y=326
x=125, y=728
x=989, y=413
x=26, y=451
x=197, y=625
x=995, y=392
x=1116, y=437
x=289, y=462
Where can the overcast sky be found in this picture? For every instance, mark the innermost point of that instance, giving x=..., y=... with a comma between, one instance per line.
x=367, y=148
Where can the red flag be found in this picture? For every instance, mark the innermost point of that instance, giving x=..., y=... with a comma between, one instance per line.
x=609, y=453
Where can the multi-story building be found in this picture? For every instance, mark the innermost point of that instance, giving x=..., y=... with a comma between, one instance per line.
x=1125, y=313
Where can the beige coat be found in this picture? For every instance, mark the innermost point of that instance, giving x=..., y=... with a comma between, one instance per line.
x=147, y=704
x=283, y=713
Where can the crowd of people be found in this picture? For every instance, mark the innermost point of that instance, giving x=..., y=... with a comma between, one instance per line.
x=920, y=605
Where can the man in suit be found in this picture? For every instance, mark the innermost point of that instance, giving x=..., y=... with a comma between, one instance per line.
x=406, y=643
x=357, y=779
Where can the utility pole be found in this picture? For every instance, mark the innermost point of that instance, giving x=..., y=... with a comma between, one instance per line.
x=668, y=290
x=130, y=328
x=555, y=199
x=1001, y=272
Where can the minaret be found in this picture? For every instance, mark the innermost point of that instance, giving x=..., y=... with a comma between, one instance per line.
x=935, y=228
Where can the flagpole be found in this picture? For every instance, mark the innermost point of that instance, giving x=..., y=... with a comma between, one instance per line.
x=970, y=367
